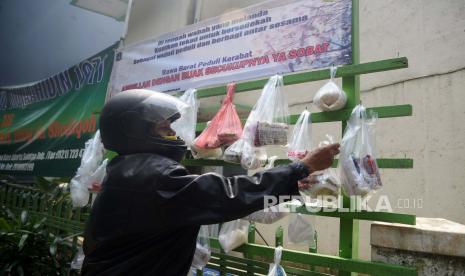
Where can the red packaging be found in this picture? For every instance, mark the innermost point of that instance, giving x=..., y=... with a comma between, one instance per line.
x=225, y=128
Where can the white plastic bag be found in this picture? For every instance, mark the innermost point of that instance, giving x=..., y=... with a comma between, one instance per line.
x=90, y=172
x=358, y=168
x=76, y=263
x=301, y=139
x=267, y=216
x=300, y=231
x=233, y=153
x=233, y=234
x=253, y=157
x=275, y=268
x=202, y=248
x=267, y=124
x=321, y=183
x=330, y=96
x=185, y=126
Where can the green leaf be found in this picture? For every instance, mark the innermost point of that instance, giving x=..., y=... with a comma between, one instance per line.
x=53, y=246
x=44, y=185
x=39, y=223
x=4, y=225
x=22, y=241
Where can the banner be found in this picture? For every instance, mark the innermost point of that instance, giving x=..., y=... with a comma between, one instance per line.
x=43, y=127
x=279, y=36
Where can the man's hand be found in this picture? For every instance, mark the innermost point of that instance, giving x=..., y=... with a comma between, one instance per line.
x=321, y=158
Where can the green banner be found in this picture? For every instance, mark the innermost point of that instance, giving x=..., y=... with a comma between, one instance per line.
x=44, y=126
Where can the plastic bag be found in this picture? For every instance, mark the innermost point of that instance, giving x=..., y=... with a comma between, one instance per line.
x=301, y=139
x=330, y=96
x=268, y=122
x=225, y=128
x=253, y=157
x=267, y=216
x=358, y=168
x=233, y=153
x=202, y=248
x=198, y=153
x=185, y=126
x=275, y=268
x=250, y=157
x=233, y=234
x=76, y=263
x=300, y=231
x=321, y=183
x=90, y=172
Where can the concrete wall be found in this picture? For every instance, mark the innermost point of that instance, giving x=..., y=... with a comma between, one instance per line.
x=432, y=35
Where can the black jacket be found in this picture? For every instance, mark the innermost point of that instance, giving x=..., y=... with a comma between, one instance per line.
x=146, y=218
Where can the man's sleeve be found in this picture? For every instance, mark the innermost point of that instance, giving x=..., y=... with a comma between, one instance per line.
x=211, y=198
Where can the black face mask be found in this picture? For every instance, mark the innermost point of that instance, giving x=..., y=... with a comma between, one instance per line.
x=174, y=149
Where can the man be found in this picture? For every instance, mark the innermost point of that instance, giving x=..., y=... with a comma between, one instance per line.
x=146, y=218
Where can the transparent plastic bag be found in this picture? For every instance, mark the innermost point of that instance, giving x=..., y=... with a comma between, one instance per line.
x=359, y=171
x=267, y=216
x=300, y=231
x=330, y=96
x=301, y=139
x=185, y=126
x=268, y=122
x=233, y=154
x=91, y=171
x=76, y=263
x=225, y=128
x=253, y=157
x=321, y=183
x=275, y=268
x=233, y=234
x=202, y=248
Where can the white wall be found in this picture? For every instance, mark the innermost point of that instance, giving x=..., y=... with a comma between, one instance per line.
x=432, y=35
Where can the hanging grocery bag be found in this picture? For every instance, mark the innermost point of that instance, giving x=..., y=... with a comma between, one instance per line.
x=225, y=128
x=268, y=122
x=202, y=248
x=269, y=215
x=233, y=234
x=357, y=162
x=321, y=183
x=330, y=96
x=275, y=268
x=253, y=157
x=300, y=231
x=90, y=173
x=185, y=126
x=301, y=138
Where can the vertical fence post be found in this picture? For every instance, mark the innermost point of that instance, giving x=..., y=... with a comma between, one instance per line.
x=348, y=228
x=279, y=236
x=250, y=239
